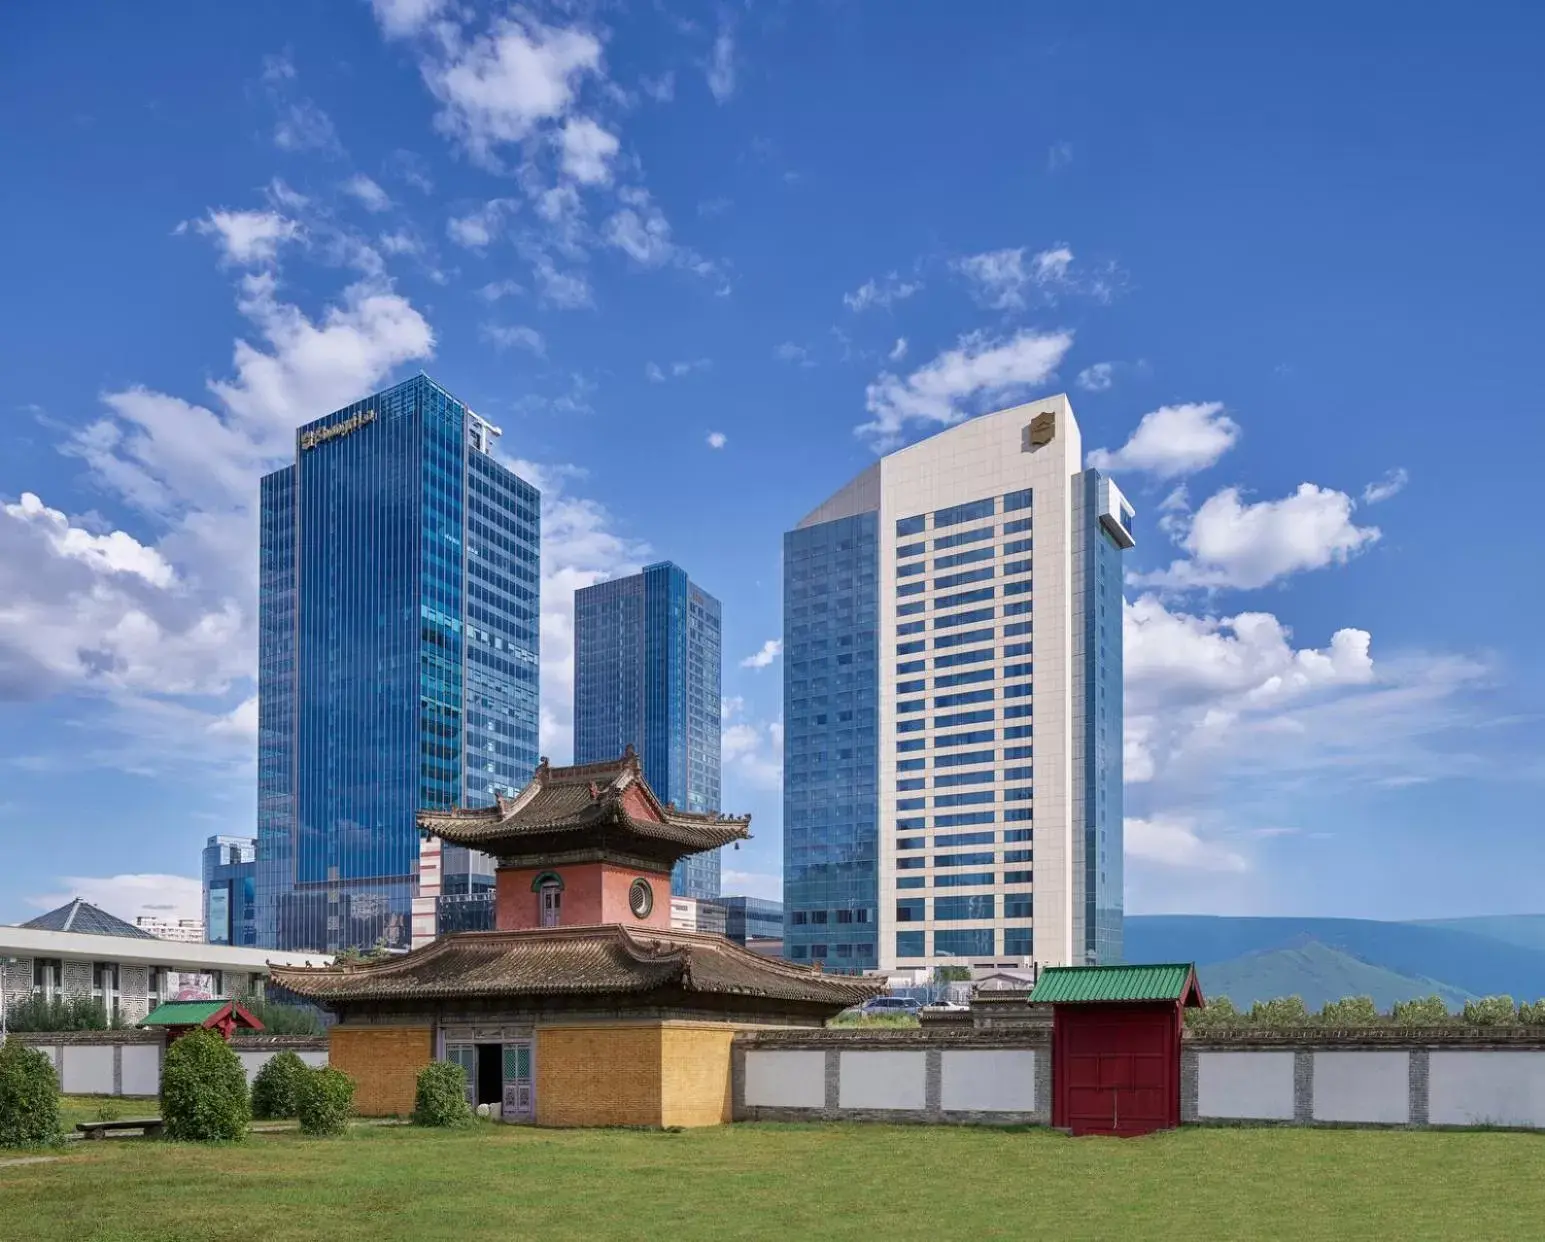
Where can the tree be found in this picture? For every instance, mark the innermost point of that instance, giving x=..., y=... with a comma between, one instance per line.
x=204, y=1090
x=1218, y=1014
x=441, y=1097
x=1532, y=1015
x=1490, y=1011
x=273, y=1090
x=1282, y=1013
x=29, y=1097
x=1425, y=1011
x=1351, y=1011
x=324, y=1101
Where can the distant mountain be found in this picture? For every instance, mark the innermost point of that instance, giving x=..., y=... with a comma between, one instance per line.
x=1317, y=973
x=1525, y=930
x=1460, y=958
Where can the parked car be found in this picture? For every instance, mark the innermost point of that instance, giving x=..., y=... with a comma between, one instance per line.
x=947, y=1006
x=893, y=1006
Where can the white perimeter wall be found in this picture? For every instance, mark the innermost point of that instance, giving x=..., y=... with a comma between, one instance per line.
x=252, y=1061
x=786, y=1079
x=88, y=1070
x=1486, y=1088
x=1363, y=1086
x=883, y=1080
x=1001, y=1080
x=1254, y=1086
x=141, y=1069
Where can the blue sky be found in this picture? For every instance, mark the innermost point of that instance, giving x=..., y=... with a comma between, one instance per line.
x=700, y=263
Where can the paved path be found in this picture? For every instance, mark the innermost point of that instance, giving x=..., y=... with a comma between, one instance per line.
x=11, y=1164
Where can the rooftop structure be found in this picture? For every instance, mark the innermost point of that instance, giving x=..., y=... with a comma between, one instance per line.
x=83, y=918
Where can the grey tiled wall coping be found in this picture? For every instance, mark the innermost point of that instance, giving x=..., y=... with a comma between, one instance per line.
x=895, y=1039
x=1372, y=1037
x=257, y=1042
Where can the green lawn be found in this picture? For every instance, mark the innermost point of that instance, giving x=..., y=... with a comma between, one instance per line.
x=765, y=1181
x=73, y=1108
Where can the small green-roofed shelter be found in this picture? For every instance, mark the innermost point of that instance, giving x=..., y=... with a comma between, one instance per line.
x=177, y=1018
x=1115, y=1050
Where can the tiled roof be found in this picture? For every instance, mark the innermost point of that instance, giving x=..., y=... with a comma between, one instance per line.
x=83, y=917
x=560, y=803
x=1075, y=985
x=574, y=961
x=194, y=1013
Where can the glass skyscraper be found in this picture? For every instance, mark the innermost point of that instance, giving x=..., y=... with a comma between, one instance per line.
x=398, y=619
x=952, y=705
x=647, y=671
x=230, y=891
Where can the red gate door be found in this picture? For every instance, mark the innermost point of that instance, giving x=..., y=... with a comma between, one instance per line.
x=1117, y=1070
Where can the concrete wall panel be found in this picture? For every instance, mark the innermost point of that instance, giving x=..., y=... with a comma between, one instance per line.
x=785, y=1079
x=1245, y=1085
x=1486, y=1088
x=1370, y=1087
x=883, y=1080
x=88, y=1069
x=141, y=1069
x=996, y=1080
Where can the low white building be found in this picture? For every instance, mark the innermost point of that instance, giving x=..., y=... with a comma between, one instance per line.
x=79, y=951
x=190, y=930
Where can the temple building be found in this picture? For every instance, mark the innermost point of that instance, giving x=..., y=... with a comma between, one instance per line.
x=584, y=1007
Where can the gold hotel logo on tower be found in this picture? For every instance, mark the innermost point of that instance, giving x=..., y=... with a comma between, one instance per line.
x=310, y=439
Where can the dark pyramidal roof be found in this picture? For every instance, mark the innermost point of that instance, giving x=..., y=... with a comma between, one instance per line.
x=83, y=917
x=563, y=808
x=574, y=961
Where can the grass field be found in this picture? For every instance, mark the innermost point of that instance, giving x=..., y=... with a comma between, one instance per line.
x=762, y=1181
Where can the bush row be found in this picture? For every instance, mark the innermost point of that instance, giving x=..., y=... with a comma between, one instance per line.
x=1360, y=1011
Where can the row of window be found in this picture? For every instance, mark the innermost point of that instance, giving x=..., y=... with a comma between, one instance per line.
x=964, y=879
x=976, y=858
x=960, y=909
x=971, y=511
x=969, y=942
x=956, y=839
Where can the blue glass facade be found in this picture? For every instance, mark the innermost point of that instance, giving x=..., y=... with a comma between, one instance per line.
x=830, y=742
x=398, y=624
x=648, y=665
x=1097, y=847
x=230, y=891
x=752, y=918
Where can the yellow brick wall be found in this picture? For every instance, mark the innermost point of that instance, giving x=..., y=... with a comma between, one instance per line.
x=384, y=1062
x=695, y=1075
x=598, y=1075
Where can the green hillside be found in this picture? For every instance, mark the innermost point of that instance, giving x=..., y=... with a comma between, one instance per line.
x=1525, y=930
x=1319, y=974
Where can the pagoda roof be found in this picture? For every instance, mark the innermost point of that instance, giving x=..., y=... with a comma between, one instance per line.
x=604, y=959
x=584, y=805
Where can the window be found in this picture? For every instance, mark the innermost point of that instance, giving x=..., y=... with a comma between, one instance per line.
x=911, y=726
x=961, y=699
x=962, y=599
x=911, y=881
x=1018, y=608
x=1014, y=712
x=1013, y=649
x=950, y=581
x=964, y=638
x=975, y=858
x=799, y=918
x=908, y=706
x=910, y=843
x=818, y=952
x=911, y=743
x=960, y=718
x=1017, y=814
x=911, y=627
x=954, y=658
x=1019, y=690
x=962, y=879
x=946, y=780
x=551, y=897
x=909, y=944
x=104, y=986
x=911, y=525
x=1017, y=774
x=964, y=942
x=963, y=618
x=1017, y=752
x=1022, y=587
x=964, y=679
x=970, y=512
x=47, y=977
x=970, y=556
x=1018, y=670
x=962, y=536
x=1017, y=877
x=911, y=804
x=911, y=570
x=965, y=739
x=1018, y=942
x=1015, y=546
x=955, y=909
x=1016, y=627
x=904, y=825
x=911, y=864
x=1019, y=906
x=910, y=687
x=1018, y=856
x=912, y=783
x=910, y=910
x=1019, y=834
x=1018, y=500
x=911, y=648
x=973, y=797
x=911, y=588
x=964, y=758
x=911, y=666
x=1015, y=567
x=911, y=765
x=912, y=609
x=964, y=818
x=1019, y=793
x=951, y=840
x=910, y=549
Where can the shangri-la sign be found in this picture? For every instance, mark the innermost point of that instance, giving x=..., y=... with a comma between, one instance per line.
x=310, y=439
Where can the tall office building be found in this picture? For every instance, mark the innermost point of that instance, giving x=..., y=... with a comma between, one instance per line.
x=647, y=670
x=952, y=705
x=397, y=668
x=230, y=891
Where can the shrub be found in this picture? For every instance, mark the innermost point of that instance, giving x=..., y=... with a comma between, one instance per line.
x=1220, y=1012
x=1351, y=1011
x=273, y=1090
x=204, y=1090
x=1490, y=1011
x=1427, y=1011
x=29, y=1097
x=1532, y=1015
x=1283, y=1012
x=441, y=1098
x=324, y=1101
x=281, y=1019
x=58, y=1013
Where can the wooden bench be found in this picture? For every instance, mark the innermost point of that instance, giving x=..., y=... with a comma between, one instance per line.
x=100, y=1129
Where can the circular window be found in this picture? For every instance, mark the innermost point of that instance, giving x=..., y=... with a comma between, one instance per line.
x=640, y=899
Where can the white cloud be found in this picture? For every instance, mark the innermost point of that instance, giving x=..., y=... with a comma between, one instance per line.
x=499, y=86
x=1173, y=440
x=717, y=439
x=497, y=289
x=661, y=89
x=1391, y=484
x=565, y=290
x=769, y=651
x=1097, y=378
x=114, y=553
x=790, y=352
x=587, y=151
x=240, y=723
x=898, y=350
x=370, y=195
x=883, y=293
x=1000, y=278
x=515, y=337
x=302, y=126
x=639, y=229
x=947, y=390
x=580, y=546
x=751, y=752
x=478, y=228
x=658, y=374
x=402, y=18
x=399, y=242
x=130, y=896
x=1173, y=842
x=1058, y=155
x=1234, y=544
x=653, y=373
x=720, y=69
x=249, y=238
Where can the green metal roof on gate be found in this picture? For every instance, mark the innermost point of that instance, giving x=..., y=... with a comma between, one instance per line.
x=1084, y=985
x=184, y=1013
